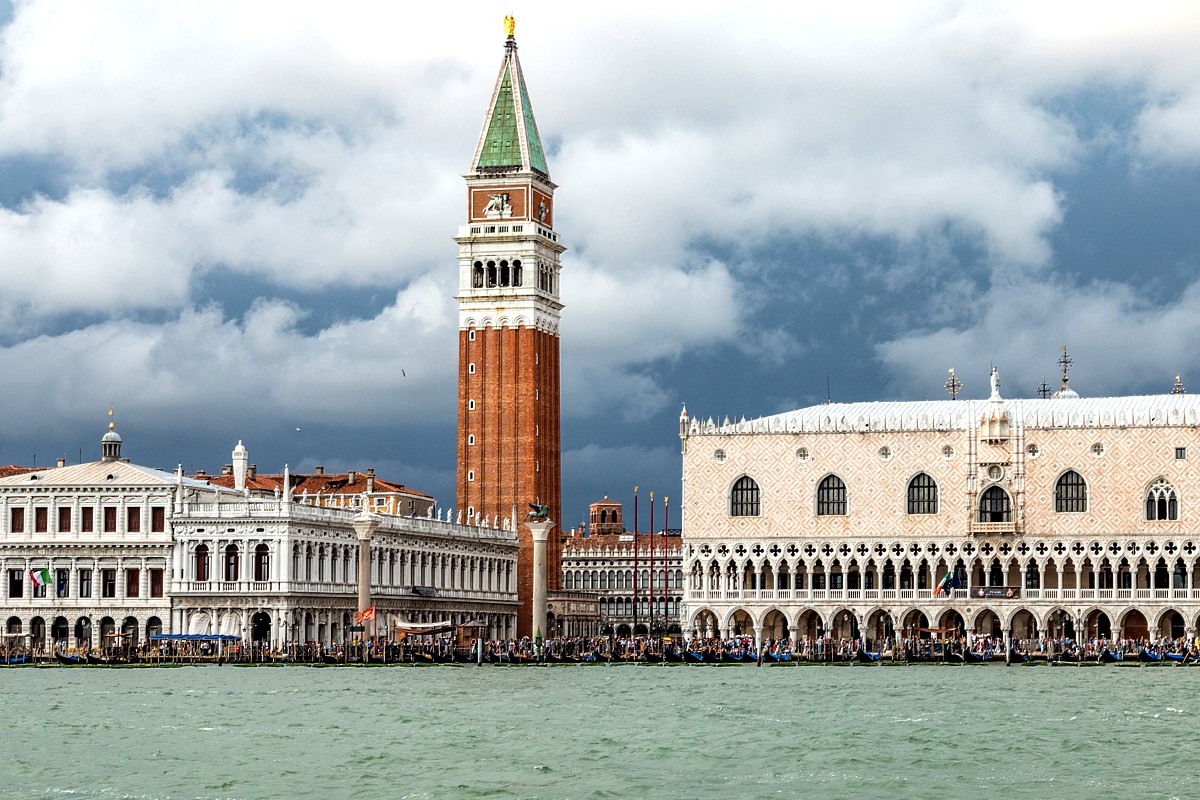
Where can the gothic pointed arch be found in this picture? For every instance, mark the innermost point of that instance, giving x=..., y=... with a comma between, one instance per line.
x=922, y=495
x=995, y=505
x=1070, y=493
x=745, y=498
x=832, y=497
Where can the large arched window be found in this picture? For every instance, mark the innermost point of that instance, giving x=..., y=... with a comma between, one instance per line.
x=831, y=497
x=922, y=495
x=995, y=506
x=201, y=569
x=1070, y=493
x=231, y=562
x=743, y=500
x=1161, y=502
x=262, y=563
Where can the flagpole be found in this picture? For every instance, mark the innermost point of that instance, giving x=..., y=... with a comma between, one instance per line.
x=633, y=631
x=650, y=627
x=666, y=572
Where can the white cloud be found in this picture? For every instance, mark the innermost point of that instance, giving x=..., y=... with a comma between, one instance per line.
x=1120, y=341
x=202, y=364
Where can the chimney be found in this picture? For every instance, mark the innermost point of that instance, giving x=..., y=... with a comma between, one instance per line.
x=319, y=470
x=351, y=477
x=62, y=462
x=370, y=480
x=252, y=472
x=227, y=469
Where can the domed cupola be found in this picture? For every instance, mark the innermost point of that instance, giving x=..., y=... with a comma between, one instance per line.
x=110, y=444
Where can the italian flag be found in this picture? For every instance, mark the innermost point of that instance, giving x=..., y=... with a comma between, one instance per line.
x=40, y=577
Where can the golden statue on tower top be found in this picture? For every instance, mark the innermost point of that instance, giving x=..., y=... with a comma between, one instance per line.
x=510, y=25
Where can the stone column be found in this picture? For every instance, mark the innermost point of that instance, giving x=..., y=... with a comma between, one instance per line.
x=540, y=531
x=365, y=525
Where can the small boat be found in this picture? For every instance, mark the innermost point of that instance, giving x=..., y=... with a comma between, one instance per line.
x=1016, y=657
x=955, y=658
x=1108, y=657
x=14, y=660
x=1147, y=657
x=1176, y=657
x=98, y=660
x=69, y=661
x=971, y=657
x=693, y=657
x=865, y=657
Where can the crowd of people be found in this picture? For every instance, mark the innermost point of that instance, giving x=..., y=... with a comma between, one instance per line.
x=675, y=649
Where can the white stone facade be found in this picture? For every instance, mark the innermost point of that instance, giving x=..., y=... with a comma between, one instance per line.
x=843, y=519
x=274, y=570
x=133, y=550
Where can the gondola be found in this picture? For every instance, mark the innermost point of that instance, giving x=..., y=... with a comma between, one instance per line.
x=734, y=657
x=1146, y=657
x=14, y=660
x=99, y=660
x=971, y=657
x=955, y=658
x=1016, y=657
x=1107, y=657
x=777, y=658
x=864, y=657
x=712, y=657
x=674, y=656
x=69, y=661
x=1179, y=658
x=694, y=657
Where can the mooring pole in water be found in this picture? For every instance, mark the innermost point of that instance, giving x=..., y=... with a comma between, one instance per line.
x=1008, y=648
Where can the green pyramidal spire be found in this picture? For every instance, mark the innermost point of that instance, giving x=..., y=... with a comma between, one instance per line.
x=510, y=137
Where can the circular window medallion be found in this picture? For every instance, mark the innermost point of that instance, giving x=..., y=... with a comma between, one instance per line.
x=1033, y=450
x=995, y=472
x=720, y=456
x=947, y=452
x=1098, y=449
x=885, y=453
x=803, y=454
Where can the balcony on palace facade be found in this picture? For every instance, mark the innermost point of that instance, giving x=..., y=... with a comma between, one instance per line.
x=993, y=528
x=912, y=595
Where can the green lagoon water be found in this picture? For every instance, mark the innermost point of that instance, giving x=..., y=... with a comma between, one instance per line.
x=600, y=732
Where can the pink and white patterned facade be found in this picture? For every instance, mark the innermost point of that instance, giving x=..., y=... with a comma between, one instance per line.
x=1068, y=515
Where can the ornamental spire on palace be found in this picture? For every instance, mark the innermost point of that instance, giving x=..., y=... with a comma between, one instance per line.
x=509, y=446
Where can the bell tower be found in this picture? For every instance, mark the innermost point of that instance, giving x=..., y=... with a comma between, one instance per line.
x=509, y=446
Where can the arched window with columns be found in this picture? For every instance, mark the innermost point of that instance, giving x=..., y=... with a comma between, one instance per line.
x=262, y=563
x=200, y=564
x=231, y=562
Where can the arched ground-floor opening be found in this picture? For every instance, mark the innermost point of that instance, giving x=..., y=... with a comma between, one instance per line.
x=623, y=631
x=83, y=633
x=705, y=624
x=153, y=627
x=1060, y=624
x=1134, y=626
x=1024, y=625
x=987, y=623
x=741, y=624
x=260, y=627
x=844, y=625
x=879, y=627
x=775, y=625
x=951, y=620
x=1171, y=625
x=60, y=629
x=916, y=624
x=810, y=625
x=1098, y=626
